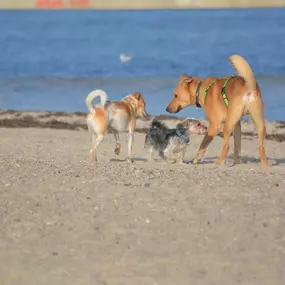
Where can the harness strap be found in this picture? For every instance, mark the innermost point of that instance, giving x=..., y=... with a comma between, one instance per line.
x=198, y=105
x=224, y=95
x=207, y=89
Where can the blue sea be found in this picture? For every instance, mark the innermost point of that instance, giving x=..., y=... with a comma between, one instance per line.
x=50, y=60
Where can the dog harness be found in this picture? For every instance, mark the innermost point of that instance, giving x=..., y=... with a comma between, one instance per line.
x=207, y=89
x=223, y=91
x=224, y=95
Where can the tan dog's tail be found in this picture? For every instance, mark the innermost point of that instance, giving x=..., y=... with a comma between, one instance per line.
x=92, y=95
x=244, y=70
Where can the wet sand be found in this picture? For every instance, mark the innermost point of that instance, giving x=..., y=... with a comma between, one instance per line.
x=76, y=121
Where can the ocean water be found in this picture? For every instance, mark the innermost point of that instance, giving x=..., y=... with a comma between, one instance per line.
x=50, y=60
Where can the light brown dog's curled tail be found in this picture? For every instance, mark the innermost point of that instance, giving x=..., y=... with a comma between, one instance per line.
x=92, y=95
x=244, y=70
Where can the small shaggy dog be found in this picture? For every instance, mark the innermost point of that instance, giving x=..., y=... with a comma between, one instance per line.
x=166, y=141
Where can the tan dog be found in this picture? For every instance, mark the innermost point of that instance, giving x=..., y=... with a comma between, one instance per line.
x=115, y=116
x=224, y=100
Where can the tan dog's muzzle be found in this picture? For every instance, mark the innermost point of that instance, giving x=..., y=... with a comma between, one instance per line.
x=173, y=108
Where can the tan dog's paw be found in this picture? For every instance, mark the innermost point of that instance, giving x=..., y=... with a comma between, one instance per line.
x=265, y=164
x=195, y=161
x=220, y=162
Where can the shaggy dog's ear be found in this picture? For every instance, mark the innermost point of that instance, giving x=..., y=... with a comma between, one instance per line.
x=180, y=126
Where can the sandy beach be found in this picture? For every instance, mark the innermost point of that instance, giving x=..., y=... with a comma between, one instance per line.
x=65, y=221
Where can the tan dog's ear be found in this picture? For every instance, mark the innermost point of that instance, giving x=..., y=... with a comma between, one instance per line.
x=138, y=95
x=188, y=80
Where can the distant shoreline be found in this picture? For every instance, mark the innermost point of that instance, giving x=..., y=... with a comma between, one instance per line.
x=76, y=121
x=133, y=5
x=23, y=8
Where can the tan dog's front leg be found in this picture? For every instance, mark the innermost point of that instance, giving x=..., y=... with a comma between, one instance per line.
x=212, y=132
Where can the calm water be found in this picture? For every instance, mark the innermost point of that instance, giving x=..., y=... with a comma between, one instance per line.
x=50, y=60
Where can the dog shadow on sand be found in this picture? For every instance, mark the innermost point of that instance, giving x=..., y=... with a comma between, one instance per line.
x=156, y=160
x=210, y=160
x=245, y=160
x=124, y=159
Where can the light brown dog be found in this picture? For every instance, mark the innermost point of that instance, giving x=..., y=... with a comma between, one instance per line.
x=224, y=100
x=115, y=116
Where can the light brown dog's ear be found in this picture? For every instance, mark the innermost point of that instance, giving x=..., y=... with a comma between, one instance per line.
x=138, y=95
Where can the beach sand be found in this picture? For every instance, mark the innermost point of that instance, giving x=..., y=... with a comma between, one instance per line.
x=65, y=221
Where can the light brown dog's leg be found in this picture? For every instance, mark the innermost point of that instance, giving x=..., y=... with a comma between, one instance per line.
x=257, y=115
x=95, y=142
x=234, y=114
x=117, y=138
x=92, y=153
x=237, y=143
x=130, y=144
x=212, y=132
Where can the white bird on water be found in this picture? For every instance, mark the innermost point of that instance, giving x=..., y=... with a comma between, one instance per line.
x=125, y=58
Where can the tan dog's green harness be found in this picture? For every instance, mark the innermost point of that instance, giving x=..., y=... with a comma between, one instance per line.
x=223, y=91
